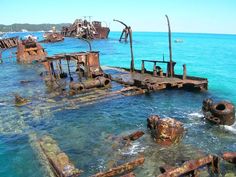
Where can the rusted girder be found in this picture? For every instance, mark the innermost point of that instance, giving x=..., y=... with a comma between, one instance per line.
x=58, y=160
x=190, y=166
x=128, y=28
x=122, y=169
x=134, y=136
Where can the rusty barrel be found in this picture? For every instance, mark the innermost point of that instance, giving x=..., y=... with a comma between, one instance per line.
x=166, y=131
x=222, y=113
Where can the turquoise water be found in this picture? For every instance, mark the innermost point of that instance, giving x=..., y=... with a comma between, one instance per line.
x=83, y=133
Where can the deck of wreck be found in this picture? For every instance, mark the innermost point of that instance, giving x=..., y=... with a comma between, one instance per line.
x=154, y=83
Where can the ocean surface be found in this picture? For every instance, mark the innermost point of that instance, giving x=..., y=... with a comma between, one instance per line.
x=83, y=132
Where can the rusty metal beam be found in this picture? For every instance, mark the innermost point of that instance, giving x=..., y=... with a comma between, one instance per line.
x=192, y=165
x=127, y=167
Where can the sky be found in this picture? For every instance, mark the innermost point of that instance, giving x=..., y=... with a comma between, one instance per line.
x=197, y=16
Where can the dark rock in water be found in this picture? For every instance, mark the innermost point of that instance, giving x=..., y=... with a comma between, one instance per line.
x=222, y=113
x=20, y=101
x=25, y=81
x=166, y=131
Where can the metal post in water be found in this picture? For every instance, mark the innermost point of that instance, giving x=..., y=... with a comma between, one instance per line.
x=131, y=44
x=184, y=72
x=131, y=50
x=170, y=48
x=143, y=68
x=88, y=42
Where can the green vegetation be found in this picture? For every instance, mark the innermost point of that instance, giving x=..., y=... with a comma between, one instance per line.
x=31, y=27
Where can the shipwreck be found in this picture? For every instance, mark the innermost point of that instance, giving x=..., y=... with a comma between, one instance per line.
x=82, y=68
x=85, y=29
x=52, y=37
x=7, y=43
x=157, y=79
x=29, y=50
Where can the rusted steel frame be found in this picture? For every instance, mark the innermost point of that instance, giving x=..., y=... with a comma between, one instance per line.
x=192, y=165
x=170, y=48
x=122, y=169
x=131, y=44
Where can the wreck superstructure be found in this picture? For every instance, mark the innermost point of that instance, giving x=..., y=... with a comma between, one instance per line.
x=85, y=29
x=82, y=68
x=29, y=50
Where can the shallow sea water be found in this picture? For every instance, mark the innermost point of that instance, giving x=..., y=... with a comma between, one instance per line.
x=83, y=131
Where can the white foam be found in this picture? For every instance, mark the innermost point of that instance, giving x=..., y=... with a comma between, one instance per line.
x=196, y=114
x=231, y=128
x=135, y=148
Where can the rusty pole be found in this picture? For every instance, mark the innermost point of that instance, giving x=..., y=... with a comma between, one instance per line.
x=130, y=42
x=170, y=48
x=88, y=42
x=131, y=49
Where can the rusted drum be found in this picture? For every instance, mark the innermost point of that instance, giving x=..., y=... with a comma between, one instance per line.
x=77, y=86
x=166, y=131
x=222, y=113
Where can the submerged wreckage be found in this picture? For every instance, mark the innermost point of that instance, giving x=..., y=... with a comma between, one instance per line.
x=7, y=43
x=80, y=72
x=87, y=73
x=29, y=50
x=52, y=37
x=85, y=29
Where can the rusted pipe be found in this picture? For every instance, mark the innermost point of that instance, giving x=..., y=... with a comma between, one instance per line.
x=98, y=82
x=88, y=42
x=130, y=42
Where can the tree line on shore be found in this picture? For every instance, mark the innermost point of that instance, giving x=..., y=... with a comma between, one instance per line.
x=30, y=27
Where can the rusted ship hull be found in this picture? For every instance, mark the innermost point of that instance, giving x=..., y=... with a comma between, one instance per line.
x=87, y=30
x=52, y=37
x=8, y=42
x=102, y=33
x=30, y=51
